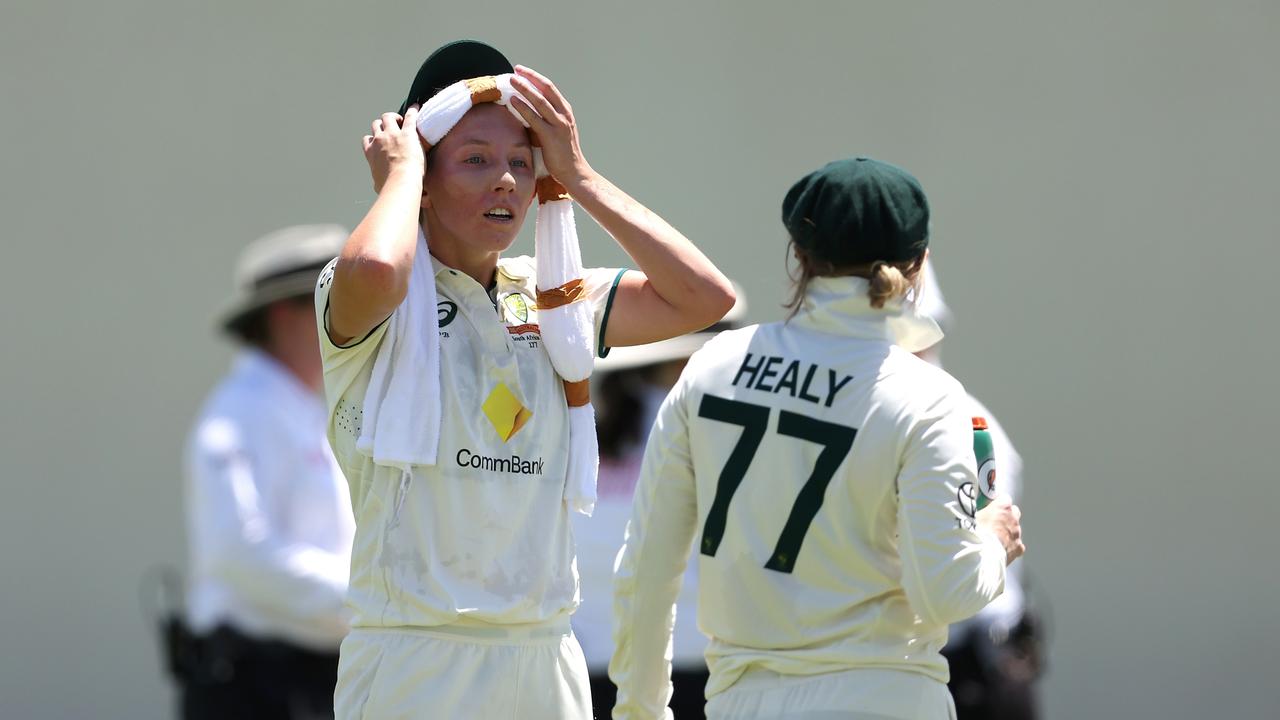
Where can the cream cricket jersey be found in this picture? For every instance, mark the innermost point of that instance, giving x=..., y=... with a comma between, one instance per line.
x=483, y=534
x=816, y=469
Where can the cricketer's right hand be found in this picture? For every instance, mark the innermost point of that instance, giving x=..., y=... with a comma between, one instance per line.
x=1004, y=519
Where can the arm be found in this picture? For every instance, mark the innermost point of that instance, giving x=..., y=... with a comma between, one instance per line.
x=372, y=275
x=236, y=542
x=651, y=566
x=678, y=290
x=951, y=566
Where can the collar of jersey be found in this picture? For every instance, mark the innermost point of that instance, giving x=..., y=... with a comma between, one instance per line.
x=510, y=268
x=840, y=306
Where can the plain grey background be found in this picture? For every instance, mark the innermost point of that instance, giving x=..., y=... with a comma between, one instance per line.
x=1103, y=178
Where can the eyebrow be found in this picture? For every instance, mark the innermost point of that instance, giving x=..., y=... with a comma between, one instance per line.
x=486, y=143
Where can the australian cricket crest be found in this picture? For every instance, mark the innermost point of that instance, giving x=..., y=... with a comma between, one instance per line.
x=516, y=308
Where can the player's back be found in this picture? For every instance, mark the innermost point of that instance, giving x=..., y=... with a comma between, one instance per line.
x=797, y=438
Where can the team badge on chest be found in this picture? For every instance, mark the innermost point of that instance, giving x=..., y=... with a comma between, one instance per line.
x=516, y=308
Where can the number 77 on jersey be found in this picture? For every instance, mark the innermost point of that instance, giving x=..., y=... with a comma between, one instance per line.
x=836, y=440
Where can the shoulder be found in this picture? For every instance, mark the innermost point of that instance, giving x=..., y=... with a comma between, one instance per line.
x=237, y=408
x=913, y=390
x=521, y=269
x=323, y=283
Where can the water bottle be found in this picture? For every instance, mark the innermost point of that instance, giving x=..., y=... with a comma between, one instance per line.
x=984, y=452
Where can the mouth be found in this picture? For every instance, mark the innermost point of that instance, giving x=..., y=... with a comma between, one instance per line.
x=500, y=215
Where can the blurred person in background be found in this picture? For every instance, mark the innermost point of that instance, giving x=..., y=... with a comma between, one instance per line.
x=817, y=464
x=630, y=385
x=994, y=656
x=268, y=511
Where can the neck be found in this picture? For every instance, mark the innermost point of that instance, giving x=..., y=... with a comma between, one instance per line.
x=299, y=363
x=479, y=264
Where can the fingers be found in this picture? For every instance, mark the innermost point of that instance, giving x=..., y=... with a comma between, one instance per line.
x=411, y=117
x=1015, y=552
x=367, y=142
x=536, y=99
x=391, y=121
x=546, y=87
x=1017, y=512
x=531, y=116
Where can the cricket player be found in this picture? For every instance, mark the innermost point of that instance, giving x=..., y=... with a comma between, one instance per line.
x=449, y=416
x=818, y=468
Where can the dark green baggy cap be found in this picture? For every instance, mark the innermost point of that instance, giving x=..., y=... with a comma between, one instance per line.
x=858, y=211
x=459, y=60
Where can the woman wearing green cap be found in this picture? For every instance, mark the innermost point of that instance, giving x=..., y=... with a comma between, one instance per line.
x=822, y=472
x=454, y=406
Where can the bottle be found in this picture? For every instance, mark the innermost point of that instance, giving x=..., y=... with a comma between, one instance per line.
x=984, y=452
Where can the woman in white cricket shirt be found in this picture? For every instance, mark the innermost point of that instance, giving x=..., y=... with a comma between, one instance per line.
x=816, y=464
x=463, y=574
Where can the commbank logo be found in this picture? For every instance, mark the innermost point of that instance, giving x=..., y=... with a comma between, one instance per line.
x=514, y=465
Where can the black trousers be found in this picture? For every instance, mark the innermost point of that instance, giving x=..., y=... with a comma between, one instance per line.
x=230, y=675
x=992, y=682
x=687, y=700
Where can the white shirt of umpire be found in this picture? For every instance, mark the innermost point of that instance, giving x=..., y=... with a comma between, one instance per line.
x=873, y=576
x=268, y=511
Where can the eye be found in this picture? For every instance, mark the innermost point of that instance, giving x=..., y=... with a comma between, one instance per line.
x=520, y=162
x=474, y=159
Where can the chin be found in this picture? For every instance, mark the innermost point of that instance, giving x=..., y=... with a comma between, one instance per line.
x=500, y=242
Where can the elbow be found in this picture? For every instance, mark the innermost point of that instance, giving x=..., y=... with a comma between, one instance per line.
x=719, y=299
x=373, y=276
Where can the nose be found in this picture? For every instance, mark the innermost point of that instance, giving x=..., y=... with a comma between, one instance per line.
x=506, y=181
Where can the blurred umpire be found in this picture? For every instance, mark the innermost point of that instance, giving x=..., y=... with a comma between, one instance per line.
x=997, y=655
x=268, y=511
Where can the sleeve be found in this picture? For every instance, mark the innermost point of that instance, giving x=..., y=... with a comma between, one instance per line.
x=602, y=285
x=651, y=565
x=237, y=542
x=950, y=570
x=342, y=363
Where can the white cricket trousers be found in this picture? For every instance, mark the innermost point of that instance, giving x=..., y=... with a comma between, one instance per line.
x=868, y=694
x=463, y=671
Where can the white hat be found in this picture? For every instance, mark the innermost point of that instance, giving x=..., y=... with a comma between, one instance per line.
x=676, y=348
x=931, y=302
x=279, y=266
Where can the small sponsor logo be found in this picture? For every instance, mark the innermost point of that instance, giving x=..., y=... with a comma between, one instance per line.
x=968, y=498
x=448, y=311
x=987, y=479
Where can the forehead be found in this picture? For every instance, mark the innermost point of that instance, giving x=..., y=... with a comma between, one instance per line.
x=489, y=123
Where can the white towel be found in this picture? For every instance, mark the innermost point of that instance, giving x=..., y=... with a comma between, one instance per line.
x=402, y=406
x=572, y=354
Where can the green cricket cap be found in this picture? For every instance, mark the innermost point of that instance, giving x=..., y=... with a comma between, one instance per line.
x=459, y=60
x=857, y=211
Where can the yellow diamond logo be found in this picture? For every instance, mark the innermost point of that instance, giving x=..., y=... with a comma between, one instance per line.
x=505, y=412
